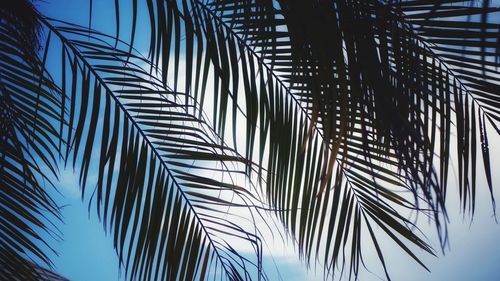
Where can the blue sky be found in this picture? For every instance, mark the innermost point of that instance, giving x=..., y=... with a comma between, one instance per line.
x=87, y=254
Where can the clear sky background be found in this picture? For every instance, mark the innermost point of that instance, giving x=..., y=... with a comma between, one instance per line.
x=86, y=254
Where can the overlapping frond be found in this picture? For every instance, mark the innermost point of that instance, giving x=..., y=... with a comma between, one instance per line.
x=347, y=112
x=346, y=109
x=166, y=186
x=23, y=270
x=30, y=108
x=464, y=36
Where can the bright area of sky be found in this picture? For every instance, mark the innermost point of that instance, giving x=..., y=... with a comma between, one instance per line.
x=86, y=254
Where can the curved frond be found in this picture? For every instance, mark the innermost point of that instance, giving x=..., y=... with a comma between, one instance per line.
x=464, y=36
x=166, y=185
x=30, y=108
x=345, y=114
x=349, y=113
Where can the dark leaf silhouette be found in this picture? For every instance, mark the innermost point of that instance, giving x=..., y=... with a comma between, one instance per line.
x=343, y=117
x=30, y=105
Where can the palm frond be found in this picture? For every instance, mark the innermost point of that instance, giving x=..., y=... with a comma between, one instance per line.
x=166, y=184
x=30, y=106
x=21, y=17
x=345, y=101
x=25, y=270
x=348, y=109
x=464, y=37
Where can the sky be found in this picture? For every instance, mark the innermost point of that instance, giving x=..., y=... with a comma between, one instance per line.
x=87, y=254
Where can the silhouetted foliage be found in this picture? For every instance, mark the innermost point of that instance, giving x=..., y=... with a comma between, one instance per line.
x=351, y=113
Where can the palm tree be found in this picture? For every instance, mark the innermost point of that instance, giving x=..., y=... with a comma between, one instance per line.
x=350, y=112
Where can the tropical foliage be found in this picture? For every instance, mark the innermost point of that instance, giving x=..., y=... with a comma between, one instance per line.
x=339, y=118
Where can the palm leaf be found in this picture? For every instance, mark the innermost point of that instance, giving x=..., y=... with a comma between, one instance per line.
x=30, y=106
x=345, y=101
x=162, y=175
x=464, y=36
x=345, y=106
